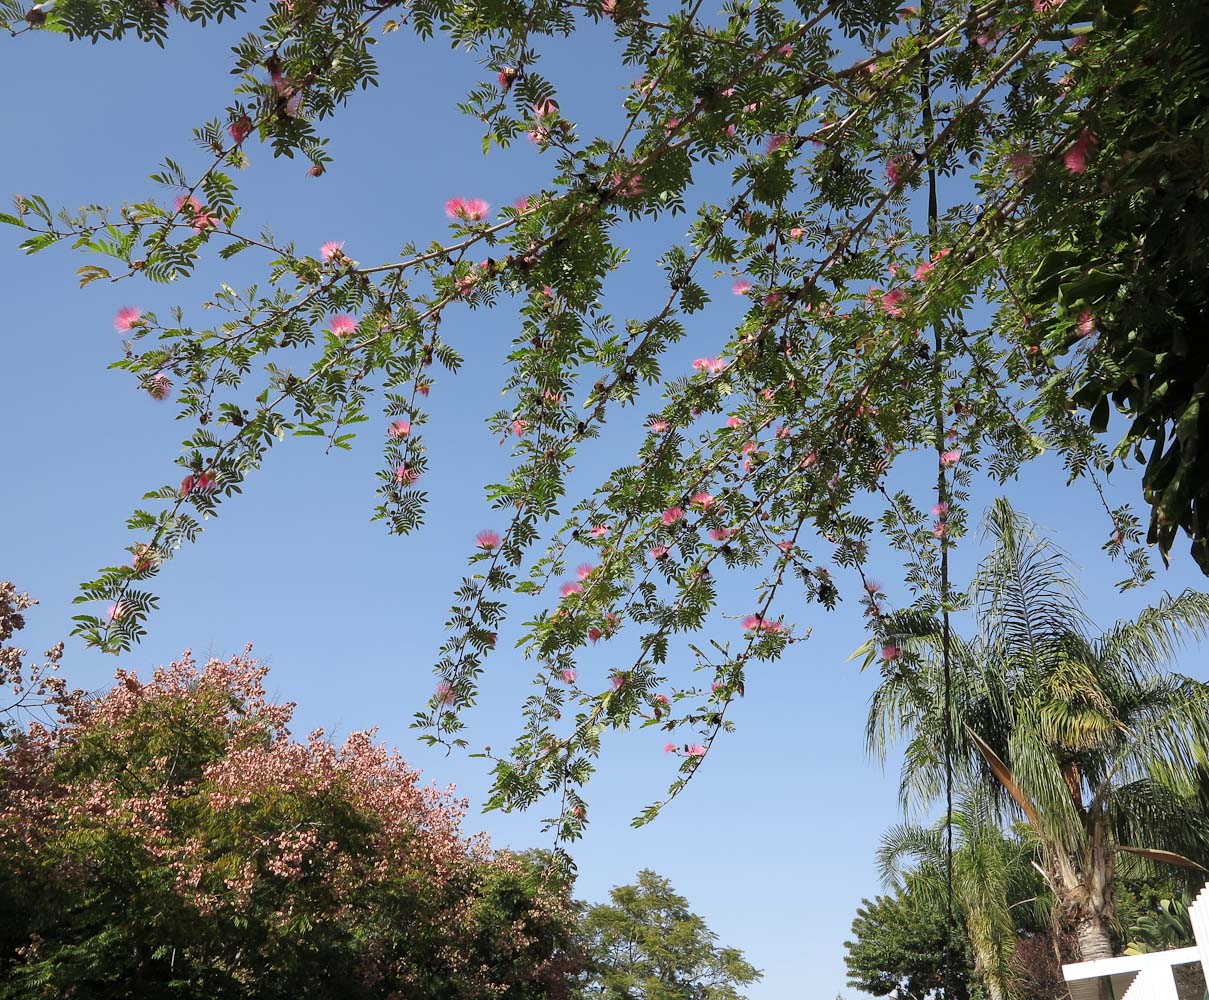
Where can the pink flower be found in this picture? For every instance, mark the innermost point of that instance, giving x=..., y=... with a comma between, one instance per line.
x=1085, y=325
x=585, y=571
x=518, y=427
x=672, y=515
x=809, y=460
x=198, y=217
x=940, y=509
x=659, y=552
x=669, y=748
x=785, y=546
x=894, y=172
x=293, y=103
x=950, y=458
x=608, y=8
x=187, y=486
x=568, y=676
x=332, y=248
x=126, y=318
x=940, y=529
x=342, y=325
x=399, y=429
x=720, y=534
x=594, y=634
x=445, y=693
x=466, y=209
x=731, y=130
x=405, y=476
x=777, y=142
x=662, y=699
x=658, y=426
x=891, y=652
x=205, y=482
x=796, y=233
x=741, y=287
x=702, y=500
x=1020, y=163
x=757, y=623
x=786, y=50
x=872, y=586
x=240, y=129
x=487, y=539
x=599, y=530
x=159, y=386
x=921, y=272
x=734, y=422
x=1075, y=158
x=116, y=611
x=891, y=303
x=628, y=188
x=571, y=587
x=717, y=686
x=711, y=365
x=696, y=750
x=617, y=680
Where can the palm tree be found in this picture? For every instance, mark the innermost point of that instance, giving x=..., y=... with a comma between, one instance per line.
x=1083, y=735
x=993, y=875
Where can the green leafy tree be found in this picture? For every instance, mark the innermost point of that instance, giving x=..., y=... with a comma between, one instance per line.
x=645, y=944
x=851, y=169
x=1082, y=735
x=902, y=946
x=996, y=892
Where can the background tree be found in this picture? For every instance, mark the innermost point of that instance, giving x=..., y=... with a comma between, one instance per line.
x=645, y=944
x=899, y=946
x=171, y=839
x=1082, y=735
x=996, y=893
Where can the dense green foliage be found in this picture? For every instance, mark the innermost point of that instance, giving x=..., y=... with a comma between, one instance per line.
x=645, y=944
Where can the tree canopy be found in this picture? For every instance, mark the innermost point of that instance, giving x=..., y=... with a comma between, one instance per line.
x=939, y=219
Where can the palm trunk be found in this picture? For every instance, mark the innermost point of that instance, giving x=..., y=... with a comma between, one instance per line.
x=1092, y=938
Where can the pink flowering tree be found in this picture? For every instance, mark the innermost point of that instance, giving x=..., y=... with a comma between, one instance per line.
x=859, y=357
x=173, y=831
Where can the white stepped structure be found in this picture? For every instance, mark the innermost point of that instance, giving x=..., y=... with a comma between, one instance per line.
x=1144, y=977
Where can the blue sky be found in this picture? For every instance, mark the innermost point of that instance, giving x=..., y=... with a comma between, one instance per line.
x=773, y=842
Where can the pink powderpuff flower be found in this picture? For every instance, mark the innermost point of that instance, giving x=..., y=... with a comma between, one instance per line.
x=159, y=387
x=711, y=365
x=658, y=426
x=777, y=142
x=669, y=748
x=594, y=634
x=717, y=686
x=720, y=534
x=941, y=509
x=1020, y=163
x=891, y=303
x=659, y=552
x=872, y=587
x=950, y=458
x=940, y=529
x=342, y=325
x=786, y=50
x=522, y=203
x=205, y=482
x=673, y=124
x=399, y=429
x=487, y=539
x=757, y=623
x=796, y=233
x=405, y=476
x=609, y=8
x=519, y=427
x=240, y=129
x=568, y=676
x=894, y=172
x=445, y=693
x=424, y=388
x=734, y=422
x=741, y=287
x=617, y=680
x=126, y=318
x=1075, y=158
x=600, y=530
x=702, y=500
x=187, y=485
x=785, y=546
x=731, y=130
x=662, y=699
x=116, y=611
x=332, y=249
x=199, y=218
x=672, y=515
x=1085, y=324
x=628, y=187
x=585, y=571
x=466, y=209
x=571, y=587
x=891, y=652
x=809, y=460
x=921, y=272
x=696, y=750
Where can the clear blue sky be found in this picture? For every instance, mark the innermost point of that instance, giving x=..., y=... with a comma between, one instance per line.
x=773, y=842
